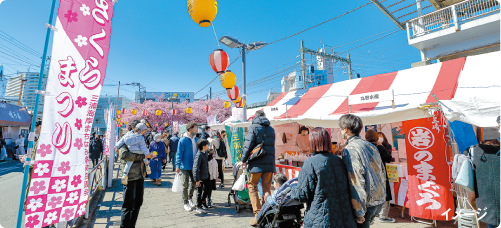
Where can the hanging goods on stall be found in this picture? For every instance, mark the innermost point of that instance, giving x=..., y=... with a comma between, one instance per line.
x=465, y=175
x=202, y=12
x=219, y=61
x=228, y=80
x=258, y=151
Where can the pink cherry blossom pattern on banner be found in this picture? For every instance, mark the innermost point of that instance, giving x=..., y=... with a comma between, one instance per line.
x=65, y=167
x=44, y=150
x=81, y=208
x=35, y=204
x=54, y=201
x=78, y=124
x=78, y=143
x=32, y=221
x=68, y=213
x=76, y=180
x=42, y=169
x=51, y=217
x=38, y=187
x=81, y=101
x=72, y=16
x=58, y=184
x=72, y=198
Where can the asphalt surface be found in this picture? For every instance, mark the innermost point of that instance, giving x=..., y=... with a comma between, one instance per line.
x=11, y=179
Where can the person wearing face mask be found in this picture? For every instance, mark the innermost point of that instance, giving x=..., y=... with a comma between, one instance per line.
x=157, y=148
x=365, y=169
x=383, y=141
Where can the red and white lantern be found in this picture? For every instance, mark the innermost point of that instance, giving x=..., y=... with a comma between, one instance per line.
x=123, y=110
x=173, y=111
x=219, y=61
x=207, y=108
x=233, y=93
x=145, y=113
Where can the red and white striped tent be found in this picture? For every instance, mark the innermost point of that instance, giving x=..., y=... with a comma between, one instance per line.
x=322, y=106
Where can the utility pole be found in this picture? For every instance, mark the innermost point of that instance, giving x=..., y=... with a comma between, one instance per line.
x=349, y=68
x=244, y=83
x=118, y=96
x=210, y=93
x=21, y=91
x=303, y=67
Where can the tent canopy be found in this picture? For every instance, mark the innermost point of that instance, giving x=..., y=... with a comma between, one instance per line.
x=455, y=81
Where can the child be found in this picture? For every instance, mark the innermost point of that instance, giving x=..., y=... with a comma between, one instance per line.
x=201, y=174
x=213, y=170
x=136, y=144
x=279, y=179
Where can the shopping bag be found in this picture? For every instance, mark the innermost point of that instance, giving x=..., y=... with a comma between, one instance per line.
x=177, y=186
x=465, y=176
x=3, y=153
x=239, y=184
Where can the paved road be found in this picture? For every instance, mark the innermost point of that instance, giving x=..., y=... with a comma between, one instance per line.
x=11, y=179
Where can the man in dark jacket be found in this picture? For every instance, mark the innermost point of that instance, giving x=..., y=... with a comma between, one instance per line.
x=205, y=133
x=173, y=143
x=262, y=167
x=96, y=149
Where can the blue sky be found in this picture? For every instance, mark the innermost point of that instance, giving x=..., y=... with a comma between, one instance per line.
x=157, y=44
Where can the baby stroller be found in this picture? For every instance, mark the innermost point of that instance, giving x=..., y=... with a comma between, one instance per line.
x=241, y=198
x=287, y=212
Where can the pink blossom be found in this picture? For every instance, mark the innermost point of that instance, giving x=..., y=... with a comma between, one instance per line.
x=72, y=16
x=68, y=212
x=81, y=101
x=78, y=143
x=37, y=187
x=76, y=180
x=55, y=200
x=78, y=124
x=32, y=221
x=44, y=150
x=65, y=167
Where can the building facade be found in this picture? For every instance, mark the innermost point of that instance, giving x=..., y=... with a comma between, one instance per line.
x=99, y=123
x=157, y=96
x=25, y=84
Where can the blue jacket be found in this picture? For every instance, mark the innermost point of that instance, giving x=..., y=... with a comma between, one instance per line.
x=185, y=155
x=173, y=143
x=323, y=186
x=158, y=147
x=265, y=163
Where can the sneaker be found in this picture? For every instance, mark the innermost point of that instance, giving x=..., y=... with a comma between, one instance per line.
x=209, y=204
x=221, y=186
x=387, y=220
x=187, y=207
x=204, y=206
x=125, y=179
x=191, y=203
x=200, y=210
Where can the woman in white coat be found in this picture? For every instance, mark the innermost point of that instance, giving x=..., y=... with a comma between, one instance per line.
x=20, y=146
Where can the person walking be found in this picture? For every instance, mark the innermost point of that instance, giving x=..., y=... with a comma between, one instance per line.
x=323, y=186
x=165, y=140
x=96, y=149
x=20, y=146
x=157, y=148
x=365, y=171
x=261, y=168
x=221, y=155
x=173, y=144
x=185, y=156
x=205, y=133
x=213, y=167
x=22, y=159
x=201, y=175
x=373, y=137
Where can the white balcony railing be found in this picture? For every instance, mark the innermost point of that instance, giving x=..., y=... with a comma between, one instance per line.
x=450, y=16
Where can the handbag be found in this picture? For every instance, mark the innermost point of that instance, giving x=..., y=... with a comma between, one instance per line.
x=258, y=150
x=465, y=175
x=15, y=147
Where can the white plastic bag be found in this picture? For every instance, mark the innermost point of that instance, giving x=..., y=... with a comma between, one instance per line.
x=239, y=184
x=3, y=153
x=177, y=186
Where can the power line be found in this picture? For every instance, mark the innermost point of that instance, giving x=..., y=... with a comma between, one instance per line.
x=19, y=44
x=364, y=38
x=370, y=41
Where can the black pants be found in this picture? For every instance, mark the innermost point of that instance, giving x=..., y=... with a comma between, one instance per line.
x=212, y=188
x=220, y=170
x=203, y=191
x=133, y=199
x=95, y=161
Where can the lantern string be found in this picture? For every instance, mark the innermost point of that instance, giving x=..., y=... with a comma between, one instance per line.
x=215, y=35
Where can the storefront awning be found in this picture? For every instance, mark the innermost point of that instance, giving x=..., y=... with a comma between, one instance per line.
x=13, y=115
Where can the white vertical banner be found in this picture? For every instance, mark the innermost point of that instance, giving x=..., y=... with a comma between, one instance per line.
x=59, y=188
x=109, y=143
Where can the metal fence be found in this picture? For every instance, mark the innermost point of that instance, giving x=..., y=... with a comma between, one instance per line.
x=96, y=180
x=450, y=16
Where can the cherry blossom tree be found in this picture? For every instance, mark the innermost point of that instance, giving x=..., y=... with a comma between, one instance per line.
x=199, y=113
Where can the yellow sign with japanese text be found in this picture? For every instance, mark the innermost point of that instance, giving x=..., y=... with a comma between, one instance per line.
x=392, y=171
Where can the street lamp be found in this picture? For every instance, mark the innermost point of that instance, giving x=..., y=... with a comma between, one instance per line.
x=171, y=99
x=234, y=43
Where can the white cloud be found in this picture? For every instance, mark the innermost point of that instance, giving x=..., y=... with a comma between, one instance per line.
x=1, y=3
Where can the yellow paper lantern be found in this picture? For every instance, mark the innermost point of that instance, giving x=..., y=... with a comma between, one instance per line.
x=189, y=110
x=147, y=124
x=202, y=12
x=238, y=99
x=228, y=79
x=125, y=123
x=158, y=112
x=134, y=112
x=226, y=104
x=166, y=124
x=118, y=120
x=118, y=112
x=243, y=103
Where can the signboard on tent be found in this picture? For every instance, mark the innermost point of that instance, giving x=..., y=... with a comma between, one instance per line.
x=212, y=120
x=429, y=185
x=236, y=141
x=175, y=127
x=59, y=186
